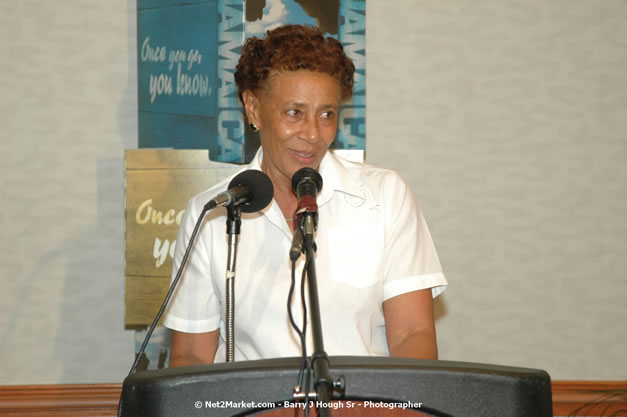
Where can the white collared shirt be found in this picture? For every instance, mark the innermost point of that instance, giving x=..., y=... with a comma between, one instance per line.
x=373, y=244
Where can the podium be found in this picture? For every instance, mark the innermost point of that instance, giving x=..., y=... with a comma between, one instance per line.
x=433, y=388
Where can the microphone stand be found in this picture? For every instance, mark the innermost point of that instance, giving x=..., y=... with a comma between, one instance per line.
x=319, y=359
x=233, y=223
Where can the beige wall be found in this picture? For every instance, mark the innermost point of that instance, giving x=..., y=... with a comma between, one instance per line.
x=68, y=109
x=506, y=118
x=509, y=120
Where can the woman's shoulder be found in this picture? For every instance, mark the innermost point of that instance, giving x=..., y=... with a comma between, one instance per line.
x=376, y=177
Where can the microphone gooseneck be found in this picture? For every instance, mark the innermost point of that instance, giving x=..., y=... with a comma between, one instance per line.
x=248, y=192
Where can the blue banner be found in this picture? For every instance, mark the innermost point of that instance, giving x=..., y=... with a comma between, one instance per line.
x=187, y=54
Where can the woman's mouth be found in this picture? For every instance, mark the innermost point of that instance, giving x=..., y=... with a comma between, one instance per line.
x=303, y=157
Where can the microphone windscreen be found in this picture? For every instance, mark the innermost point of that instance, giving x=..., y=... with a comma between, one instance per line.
x=309, y=175
x=260, y=188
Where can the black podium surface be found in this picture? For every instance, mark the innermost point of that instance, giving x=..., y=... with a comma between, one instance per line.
x=439, y=388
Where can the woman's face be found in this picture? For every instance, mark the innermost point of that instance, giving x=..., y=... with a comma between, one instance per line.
x=296, y=112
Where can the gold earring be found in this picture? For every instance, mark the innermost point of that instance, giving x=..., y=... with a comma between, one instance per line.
x=254, y=127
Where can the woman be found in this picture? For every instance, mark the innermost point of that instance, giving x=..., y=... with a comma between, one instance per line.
x=377, y=269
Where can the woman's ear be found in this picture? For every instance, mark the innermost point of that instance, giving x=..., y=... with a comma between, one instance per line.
x=251, y=107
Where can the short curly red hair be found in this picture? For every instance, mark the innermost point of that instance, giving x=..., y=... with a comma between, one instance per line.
x=292, y=48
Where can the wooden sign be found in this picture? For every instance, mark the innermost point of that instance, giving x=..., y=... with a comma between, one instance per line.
x=158, y=185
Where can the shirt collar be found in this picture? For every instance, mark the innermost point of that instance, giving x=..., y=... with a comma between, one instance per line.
x=335, y=176
x=256, y=161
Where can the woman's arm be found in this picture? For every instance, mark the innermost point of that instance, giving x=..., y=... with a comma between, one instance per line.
x=193, y=348
x=410, y=326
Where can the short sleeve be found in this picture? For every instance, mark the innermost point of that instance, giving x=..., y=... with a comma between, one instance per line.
x=410, y=260
x=194, y=307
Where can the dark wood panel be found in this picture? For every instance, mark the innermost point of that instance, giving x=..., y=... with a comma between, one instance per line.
x=589, y=398
x=100, y=400
x=90, y=400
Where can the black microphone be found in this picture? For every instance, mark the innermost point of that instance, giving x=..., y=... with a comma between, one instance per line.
x=307, y=181
x=306, y=184
x=251, y=189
